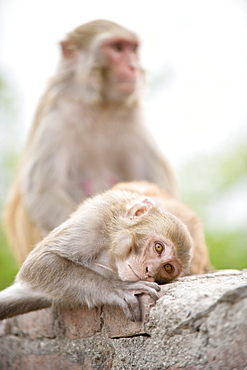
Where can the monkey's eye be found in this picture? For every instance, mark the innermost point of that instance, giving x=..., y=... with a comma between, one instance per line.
x=158, y=247
x=133, y=47
x=168, y=268
x=117, y=46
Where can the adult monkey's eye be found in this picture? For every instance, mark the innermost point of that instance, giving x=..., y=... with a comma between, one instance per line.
x=133, y=47
x=118, y=46
x=158, y=247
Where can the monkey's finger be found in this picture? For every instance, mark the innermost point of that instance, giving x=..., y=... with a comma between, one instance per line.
x=142, y=284
x=152, y=285
x=142, y=287
x=134, y=309
x=153, y=294
x=145, y=290
x=130, y=306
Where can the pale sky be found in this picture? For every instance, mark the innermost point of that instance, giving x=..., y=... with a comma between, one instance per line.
x=194, y=52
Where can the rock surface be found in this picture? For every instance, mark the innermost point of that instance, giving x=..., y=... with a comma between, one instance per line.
x=200, y=322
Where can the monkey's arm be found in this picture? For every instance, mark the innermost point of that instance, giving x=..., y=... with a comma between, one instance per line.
x=45, y=175
x=63, y=283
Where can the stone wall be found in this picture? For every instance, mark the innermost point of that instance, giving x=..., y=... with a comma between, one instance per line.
x=200, y=322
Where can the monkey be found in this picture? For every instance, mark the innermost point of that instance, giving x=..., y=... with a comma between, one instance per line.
x=115, y=246
x=87, y=135
x=200, y=262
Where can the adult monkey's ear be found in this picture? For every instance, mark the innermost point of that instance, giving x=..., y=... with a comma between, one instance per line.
x=68, y=49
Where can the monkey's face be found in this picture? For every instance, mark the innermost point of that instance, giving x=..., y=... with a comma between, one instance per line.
x=155, y=260
x=122, y=71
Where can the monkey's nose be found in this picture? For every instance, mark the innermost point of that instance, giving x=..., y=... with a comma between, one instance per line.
x=132, y=66
x=149, y=275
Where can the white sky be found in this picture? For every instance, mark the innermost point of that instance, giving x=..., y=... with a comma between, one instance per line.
x=195, y=49
x=200, y=47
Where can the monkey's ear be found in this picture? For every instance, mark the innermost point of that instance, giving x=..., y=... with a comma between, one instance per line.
x=140, y=209
x=67, y=49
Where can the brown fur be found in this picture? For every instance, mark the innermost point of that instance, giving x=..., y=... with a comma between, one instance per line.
x=86, y=136
x=200, y=258
x=105, y=253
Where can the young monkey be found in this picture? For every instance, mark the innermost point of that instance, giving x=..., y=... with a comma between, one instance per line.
x=116, y=246
x=200, y=263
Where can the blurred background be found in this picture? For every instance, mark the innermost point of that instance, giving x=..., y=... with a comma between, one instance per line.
x=195, y=56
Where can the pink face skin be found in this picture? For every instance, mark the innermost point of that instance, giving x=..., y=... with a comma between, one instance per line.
x=121, y=55
x=156, y=262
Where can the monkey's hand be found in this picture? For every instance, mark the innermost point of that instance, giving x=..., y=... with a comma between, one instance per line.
x=127, y=297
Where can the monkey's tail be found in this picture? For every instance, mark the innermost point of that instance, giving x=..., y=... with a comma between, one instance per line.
x=19, y=299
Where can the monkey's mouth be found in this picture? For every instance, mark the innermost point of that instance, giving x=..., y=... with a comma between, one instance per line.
x=126, y=86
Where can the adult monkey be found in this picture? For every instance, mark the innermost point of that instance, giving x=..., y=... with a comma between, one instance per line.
x=86, y=136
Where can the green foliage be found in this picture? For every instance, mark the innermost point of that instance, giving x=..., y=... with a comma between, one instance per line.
x=228, y=250
x=8, y=266
x=207, y=179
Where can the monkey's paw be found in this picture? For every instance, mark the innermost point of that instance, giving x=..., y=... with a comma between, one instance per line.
x=127, y=297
